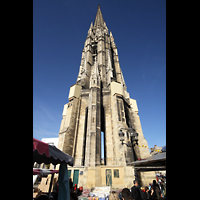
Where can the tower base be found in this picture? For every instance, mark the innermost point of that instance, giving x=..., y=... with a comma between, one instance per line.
x=118, y=177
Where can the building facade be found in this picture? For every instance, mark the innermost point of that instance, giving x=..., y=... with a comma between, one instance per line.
x=99, y=105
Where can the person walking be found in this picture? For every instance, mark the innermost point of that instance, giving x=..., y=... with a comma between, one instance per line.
x=135, y=190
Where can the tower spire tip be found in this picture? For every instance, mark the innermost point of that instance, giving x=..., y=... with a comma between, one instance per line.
x=99, y=21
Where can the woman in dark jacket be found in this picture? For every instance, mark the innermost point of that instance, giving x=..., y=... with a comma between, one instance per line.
x=153, y=195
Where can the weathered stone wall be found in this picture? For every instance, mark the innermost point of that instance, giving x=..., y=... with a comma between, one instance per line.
x=79, y=153
x=66, y=134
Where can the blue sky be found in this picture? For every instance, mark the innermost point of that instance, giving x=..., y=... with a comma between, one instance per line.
x=59, y=32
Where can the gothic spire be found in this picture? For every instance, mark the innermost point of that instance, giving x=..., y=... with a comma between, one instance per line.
x=99, y=21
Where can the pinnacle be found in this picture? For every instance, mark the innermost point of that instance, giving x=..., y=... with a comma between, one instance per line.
x=99, y=21
x=91, y=26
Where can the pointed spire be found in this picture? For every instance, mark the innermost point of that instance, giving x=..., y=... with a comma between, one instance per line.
x=99, y=21
x=90, y=29
x=111, y=34
x=105, y=25
x=91, y=26
x=111, y=37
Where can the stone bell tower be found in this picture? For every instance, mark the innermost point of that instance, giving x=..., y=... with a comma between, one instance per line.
x=100, y=104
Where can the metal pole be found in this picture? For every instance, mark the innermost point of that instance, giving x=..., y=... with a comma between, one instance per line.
x=134, y=159
x=50, y=186
x=133, y=149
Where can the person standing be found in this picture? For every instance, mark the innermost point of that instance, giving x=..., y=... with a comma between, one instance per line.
x=113, y=196
x=71, y=185
x=146, y=194
x=152, y=194
x=135, y=190
x=126, y=194
x=75, y=188
x=156, y=189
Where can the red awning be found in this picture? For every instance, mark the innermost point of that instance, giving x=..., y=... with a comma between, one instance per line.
x=45, y=153
x=41, y=147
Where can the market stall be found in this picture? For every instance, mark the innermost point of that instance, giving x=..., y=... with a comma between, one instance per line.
x=44, y=172
x=152, y=163
x=156, y=162
x=45, y=153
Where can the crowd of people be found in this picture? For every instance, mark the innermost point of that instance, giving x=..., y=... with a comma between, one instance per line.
x=149, y=194
x=134, y=193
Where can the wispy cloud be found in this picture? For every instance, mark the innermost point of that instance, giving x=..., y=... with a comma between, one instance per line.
x=45, y=121
x=48, y=113
x=157, y=74
x=40, y=133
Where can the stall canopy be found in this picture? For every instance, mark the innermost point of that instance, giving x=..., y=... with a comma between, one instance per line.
x=44, y=171
x=151, y=163
x=45, y=153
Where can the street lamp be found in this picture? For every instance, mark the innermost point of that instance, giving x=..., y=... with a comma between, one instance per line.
x=121, y=136
x=133, y=135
